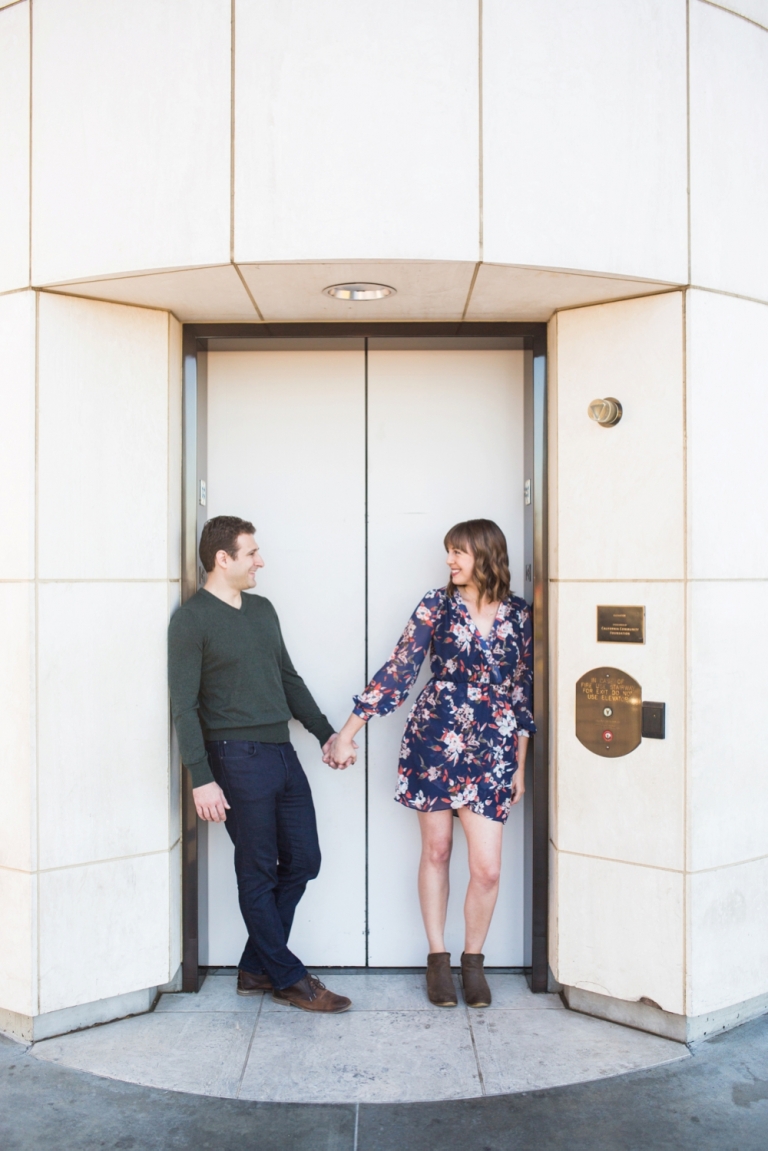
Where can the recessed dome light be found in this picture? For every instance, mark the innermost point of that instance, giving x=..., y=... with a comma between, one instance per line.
x=359, y=291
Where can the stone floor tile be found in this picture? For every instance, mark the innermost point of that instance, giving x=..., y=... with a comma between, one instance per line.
x=366, y=1056
x=530, y=1050
x=201, y=1053
x=370, y=991
x=511, y=992
x=218, y=993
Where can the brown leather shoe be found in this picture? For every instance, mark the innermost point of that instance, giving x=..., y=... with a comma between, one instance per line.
x=440, y=986
x=250, y=984
x=311, y=995
x=477, y=993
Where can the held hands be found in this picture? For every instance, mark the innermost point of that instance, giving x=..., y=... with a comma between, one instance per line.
x=210, y=802
x=340, y=752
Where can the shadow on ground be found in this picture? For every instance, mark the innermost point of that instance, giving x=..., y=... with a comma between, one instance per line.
x=716, y=1100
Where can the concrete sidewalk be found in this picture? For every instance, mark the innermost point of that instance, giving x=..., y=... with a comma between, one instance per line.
x=392, y=1047
x=716, y=1100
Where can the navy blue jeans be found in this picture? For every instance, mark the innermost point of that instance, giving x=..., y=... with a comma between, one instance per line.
x=272, y=824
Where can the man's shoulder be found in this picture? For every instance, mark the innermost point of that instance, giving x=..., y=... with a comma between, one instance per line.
x=258, y=605
x=191, y=613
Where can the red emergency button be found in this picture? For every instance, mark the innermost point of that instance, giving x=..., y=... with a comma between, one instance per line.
x=607, y=736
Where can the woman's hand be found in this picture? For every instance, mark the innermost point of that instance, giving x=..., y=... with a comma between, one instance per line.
x=343, y=752
x=328, y=753
x=342, y=749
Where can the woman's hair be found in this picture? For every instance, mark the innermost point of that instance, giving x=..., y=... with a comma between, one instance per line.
x=486, y=542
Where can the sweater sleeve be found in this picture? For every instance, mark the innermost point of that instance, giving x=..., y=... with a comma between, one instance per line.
x=185, y=663
x=299, y=698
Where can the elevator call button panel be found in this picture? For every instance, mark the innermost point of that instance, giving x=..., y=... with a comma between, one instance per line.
x=609, y=712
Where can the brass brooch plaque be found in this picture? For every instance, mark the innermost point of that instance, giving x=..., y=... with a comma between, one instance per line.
x=620, y=624
x=609, y=712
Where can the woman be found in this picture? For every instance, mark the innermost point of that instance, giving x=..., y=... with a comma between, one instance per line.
x=465, y=742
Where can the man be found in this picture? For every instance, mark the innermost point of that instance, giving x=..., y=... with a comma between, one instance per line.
x=233, y=690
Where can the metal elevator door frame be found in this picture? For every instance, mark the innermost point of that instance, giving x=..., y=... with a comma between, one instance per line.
x=197, y=340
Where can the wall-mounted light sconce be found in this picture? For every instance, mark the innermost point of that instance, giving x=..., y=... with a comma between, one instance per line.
x=606, y=413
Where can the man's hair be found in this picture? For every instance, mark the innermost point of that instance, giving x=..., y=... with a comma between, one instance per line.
x=484, y=540
x=220, y=535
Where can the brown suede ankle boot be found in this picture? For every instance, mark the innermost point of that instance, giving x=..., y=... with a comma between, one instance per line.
x=477, y=993
x=440, y=986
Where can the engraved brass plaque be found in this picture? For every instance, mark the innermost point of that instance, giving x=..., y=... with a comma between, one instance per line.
x=609, y=712
x=617, y=624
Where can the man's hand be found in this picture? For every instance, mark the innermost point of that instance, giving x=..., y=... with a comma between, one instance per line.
x=343, y=752
x=210, y=802
x=332, y=757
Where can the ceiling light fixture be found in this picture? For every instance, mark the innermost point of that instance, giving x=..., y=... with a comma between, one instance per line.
x=359, y=291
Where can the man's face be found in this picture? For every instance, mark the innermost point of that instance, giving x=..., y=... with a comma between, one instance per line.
x=241, y=571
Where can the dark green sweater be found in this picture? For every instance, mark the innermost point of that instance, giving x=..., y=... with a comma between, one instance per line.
x=231, y=678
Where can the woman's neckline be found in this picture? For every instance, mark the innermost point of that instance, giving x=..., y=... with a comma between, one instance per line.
x=491, y=629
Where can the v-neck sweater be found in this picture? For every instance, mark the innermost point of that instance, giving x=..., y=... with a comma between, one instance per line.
x=231, y=677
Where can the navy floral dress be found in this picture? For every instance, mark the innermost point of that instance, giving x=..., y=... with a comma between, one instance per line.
x=459, y=746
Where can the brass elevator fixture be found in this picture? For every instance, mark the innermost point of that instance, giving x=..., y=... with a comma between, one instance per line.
x=609, y=712
x=606, y=413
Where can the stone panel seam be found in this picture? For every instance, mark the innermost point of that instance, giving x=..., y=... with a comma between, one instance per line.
x=738, y=15
x=592, y=273
x=250, y=1046
x=655, y=291
x=686, y=640
x=248, y=291
x=25, y=288
x=726, y=866
x=724, y=292
x=138, y=579
x=619, y=580
x=29, y=157
x=688, y=130
x=36, y=653
x=624, y=862
x=472, y=283
x=18, y=870
x=168, y=489
x=232, y=44
x=104, y=299
x=480, y=235
x=653, y=579
x=109, y=859
x=135, y=274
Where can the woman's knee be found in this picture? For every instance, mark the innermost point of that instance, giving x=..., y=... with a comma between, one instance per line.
x=486, y=874
x=437, y=852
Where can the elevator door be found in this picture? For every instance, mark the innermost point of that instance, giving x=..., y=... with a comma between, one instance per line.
x=353, y=466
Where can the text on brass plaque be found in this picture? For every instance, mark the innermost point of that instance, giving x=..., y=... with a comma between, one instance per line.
x=617, y=624
x=609, y=712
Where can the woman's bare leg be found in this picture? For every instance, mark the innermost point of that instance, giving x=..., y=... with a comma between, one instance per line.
x=436, y=842
x=484, y=849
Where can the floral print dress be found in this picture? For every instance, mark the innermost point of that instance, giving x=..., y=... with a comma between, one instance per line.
x=459, y=746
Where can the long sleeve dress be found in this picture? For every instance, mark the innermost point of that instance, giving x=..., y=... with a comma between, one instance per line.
x=459, y=746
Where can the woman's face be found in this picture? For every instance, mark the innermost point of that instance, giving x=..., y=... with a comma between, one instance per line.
x=462, y=566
